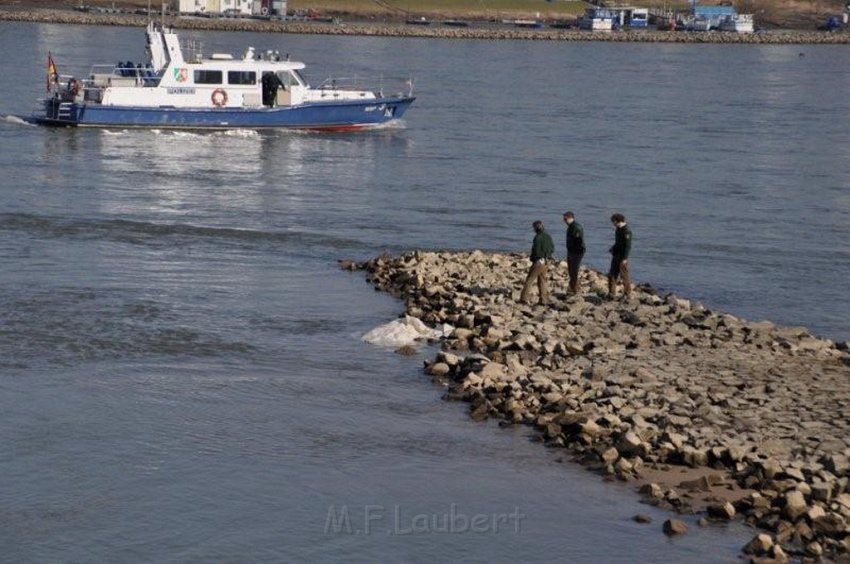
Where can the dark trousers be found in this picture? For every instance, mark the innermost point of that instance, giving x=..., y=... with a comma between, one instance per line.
x=573, y=265
x=619, y=269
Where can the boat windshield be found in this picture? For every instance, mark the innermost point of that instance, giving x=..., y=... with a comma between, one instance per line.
x=300, y=78
x=291, y=78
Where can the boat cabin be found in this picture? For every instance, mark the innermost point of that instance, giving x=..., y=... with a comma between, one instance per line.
x=221, y=80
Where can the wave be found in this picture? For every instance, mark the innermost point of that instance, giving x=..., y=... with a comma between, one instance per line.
x=17, y=120
x=391, y=124
x=245, y=133
x=182, y=133
x=146, y=233
x=66, y=327
x=179, y=134
x=299, y=327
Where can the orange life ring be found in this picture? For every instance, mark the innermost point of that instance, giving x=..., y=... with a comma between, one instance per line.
x=219, y=97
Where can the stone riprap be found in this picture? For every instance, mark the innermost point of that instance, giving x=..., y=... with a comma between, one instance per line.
x=394, y=29
x=652, y=382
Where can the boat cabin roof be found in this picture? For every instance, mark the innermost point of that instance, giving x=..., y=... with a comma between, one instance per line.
x=218, y=62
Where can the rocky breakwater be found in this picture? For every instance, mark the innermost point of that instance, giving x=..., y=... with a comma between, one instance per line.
x=395, y=29
x=649, y=385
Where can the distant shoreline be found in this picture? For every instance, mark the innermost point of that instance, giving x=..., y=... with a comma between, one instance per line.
x=393, y=29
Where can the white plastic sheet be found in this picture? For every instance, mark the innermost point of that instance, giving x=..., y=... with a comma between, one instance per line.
x=404, y=331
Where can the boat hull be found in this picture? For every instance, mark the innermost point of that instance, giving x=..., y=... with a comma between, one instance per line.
x=336, y=116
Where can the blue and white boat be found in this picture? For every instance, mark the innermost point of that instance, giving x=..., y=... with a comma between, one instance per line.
x=255, y=91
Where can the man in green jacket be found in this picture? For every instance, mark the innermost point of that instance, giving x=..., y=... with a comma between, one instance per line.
x=541, y=254
x=620, y=256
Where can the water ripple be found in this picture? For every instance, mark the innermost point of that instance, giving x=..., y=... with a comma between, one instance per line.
x=65, y=327
x=148, y=233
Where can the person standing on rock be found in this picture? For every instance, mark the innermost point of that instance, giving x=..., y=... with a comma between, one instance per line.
x=542, y=249
x=575, y=249
x=620, y=257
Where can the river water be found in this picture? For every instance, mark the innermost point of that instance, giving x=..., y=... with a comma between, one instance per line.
x=181, y=375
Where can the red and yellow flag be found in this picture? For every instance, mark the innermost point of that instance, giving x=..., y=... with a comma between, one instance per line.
x=52, y=72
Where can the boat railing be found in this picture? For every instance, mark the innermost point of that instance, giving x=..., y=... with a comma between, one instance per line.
x=62, y=82
x=66, y=88
x=102, y=76
x=393, y=85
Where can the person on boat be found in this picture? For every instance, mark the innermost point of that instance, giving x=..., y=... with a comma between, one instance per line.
x=149, y=76
x=71, y=92
x=620, y=257
x=271, y=82
x=542, y=249
x=575, y=250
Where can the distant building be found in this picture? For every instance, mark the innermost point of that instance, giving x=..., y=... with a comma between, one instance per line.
x=714, y=11
x=620, y=15
x=629, y=16
x=228, y=7
x=709, y=17
x=276, y=7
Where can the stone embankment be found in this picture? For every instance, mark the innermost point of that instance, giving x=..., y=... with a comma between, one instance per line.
x=389, y=29
x=652, y=384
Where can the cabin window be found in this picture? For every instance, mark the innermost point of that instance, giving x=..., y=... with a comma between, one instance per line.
x=241, y=77
x=207, y=77
x=285, y=79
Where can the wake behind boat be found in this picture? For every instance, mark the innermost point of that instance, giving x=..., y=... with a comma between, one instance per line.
x=258, y=90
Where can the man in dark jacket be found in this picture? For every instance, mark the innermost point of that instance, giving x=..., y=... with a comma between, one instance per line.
x=575, y=249
x=620, y=256
x=270, y=85
x=541, y=253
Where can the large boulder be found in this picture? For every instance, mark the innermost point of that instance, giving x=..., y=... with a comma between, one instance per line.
x=794, y=505
x=760, y=545
x=722, y=511
x=439, y=369
x=631, y=445
x=674, y=527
